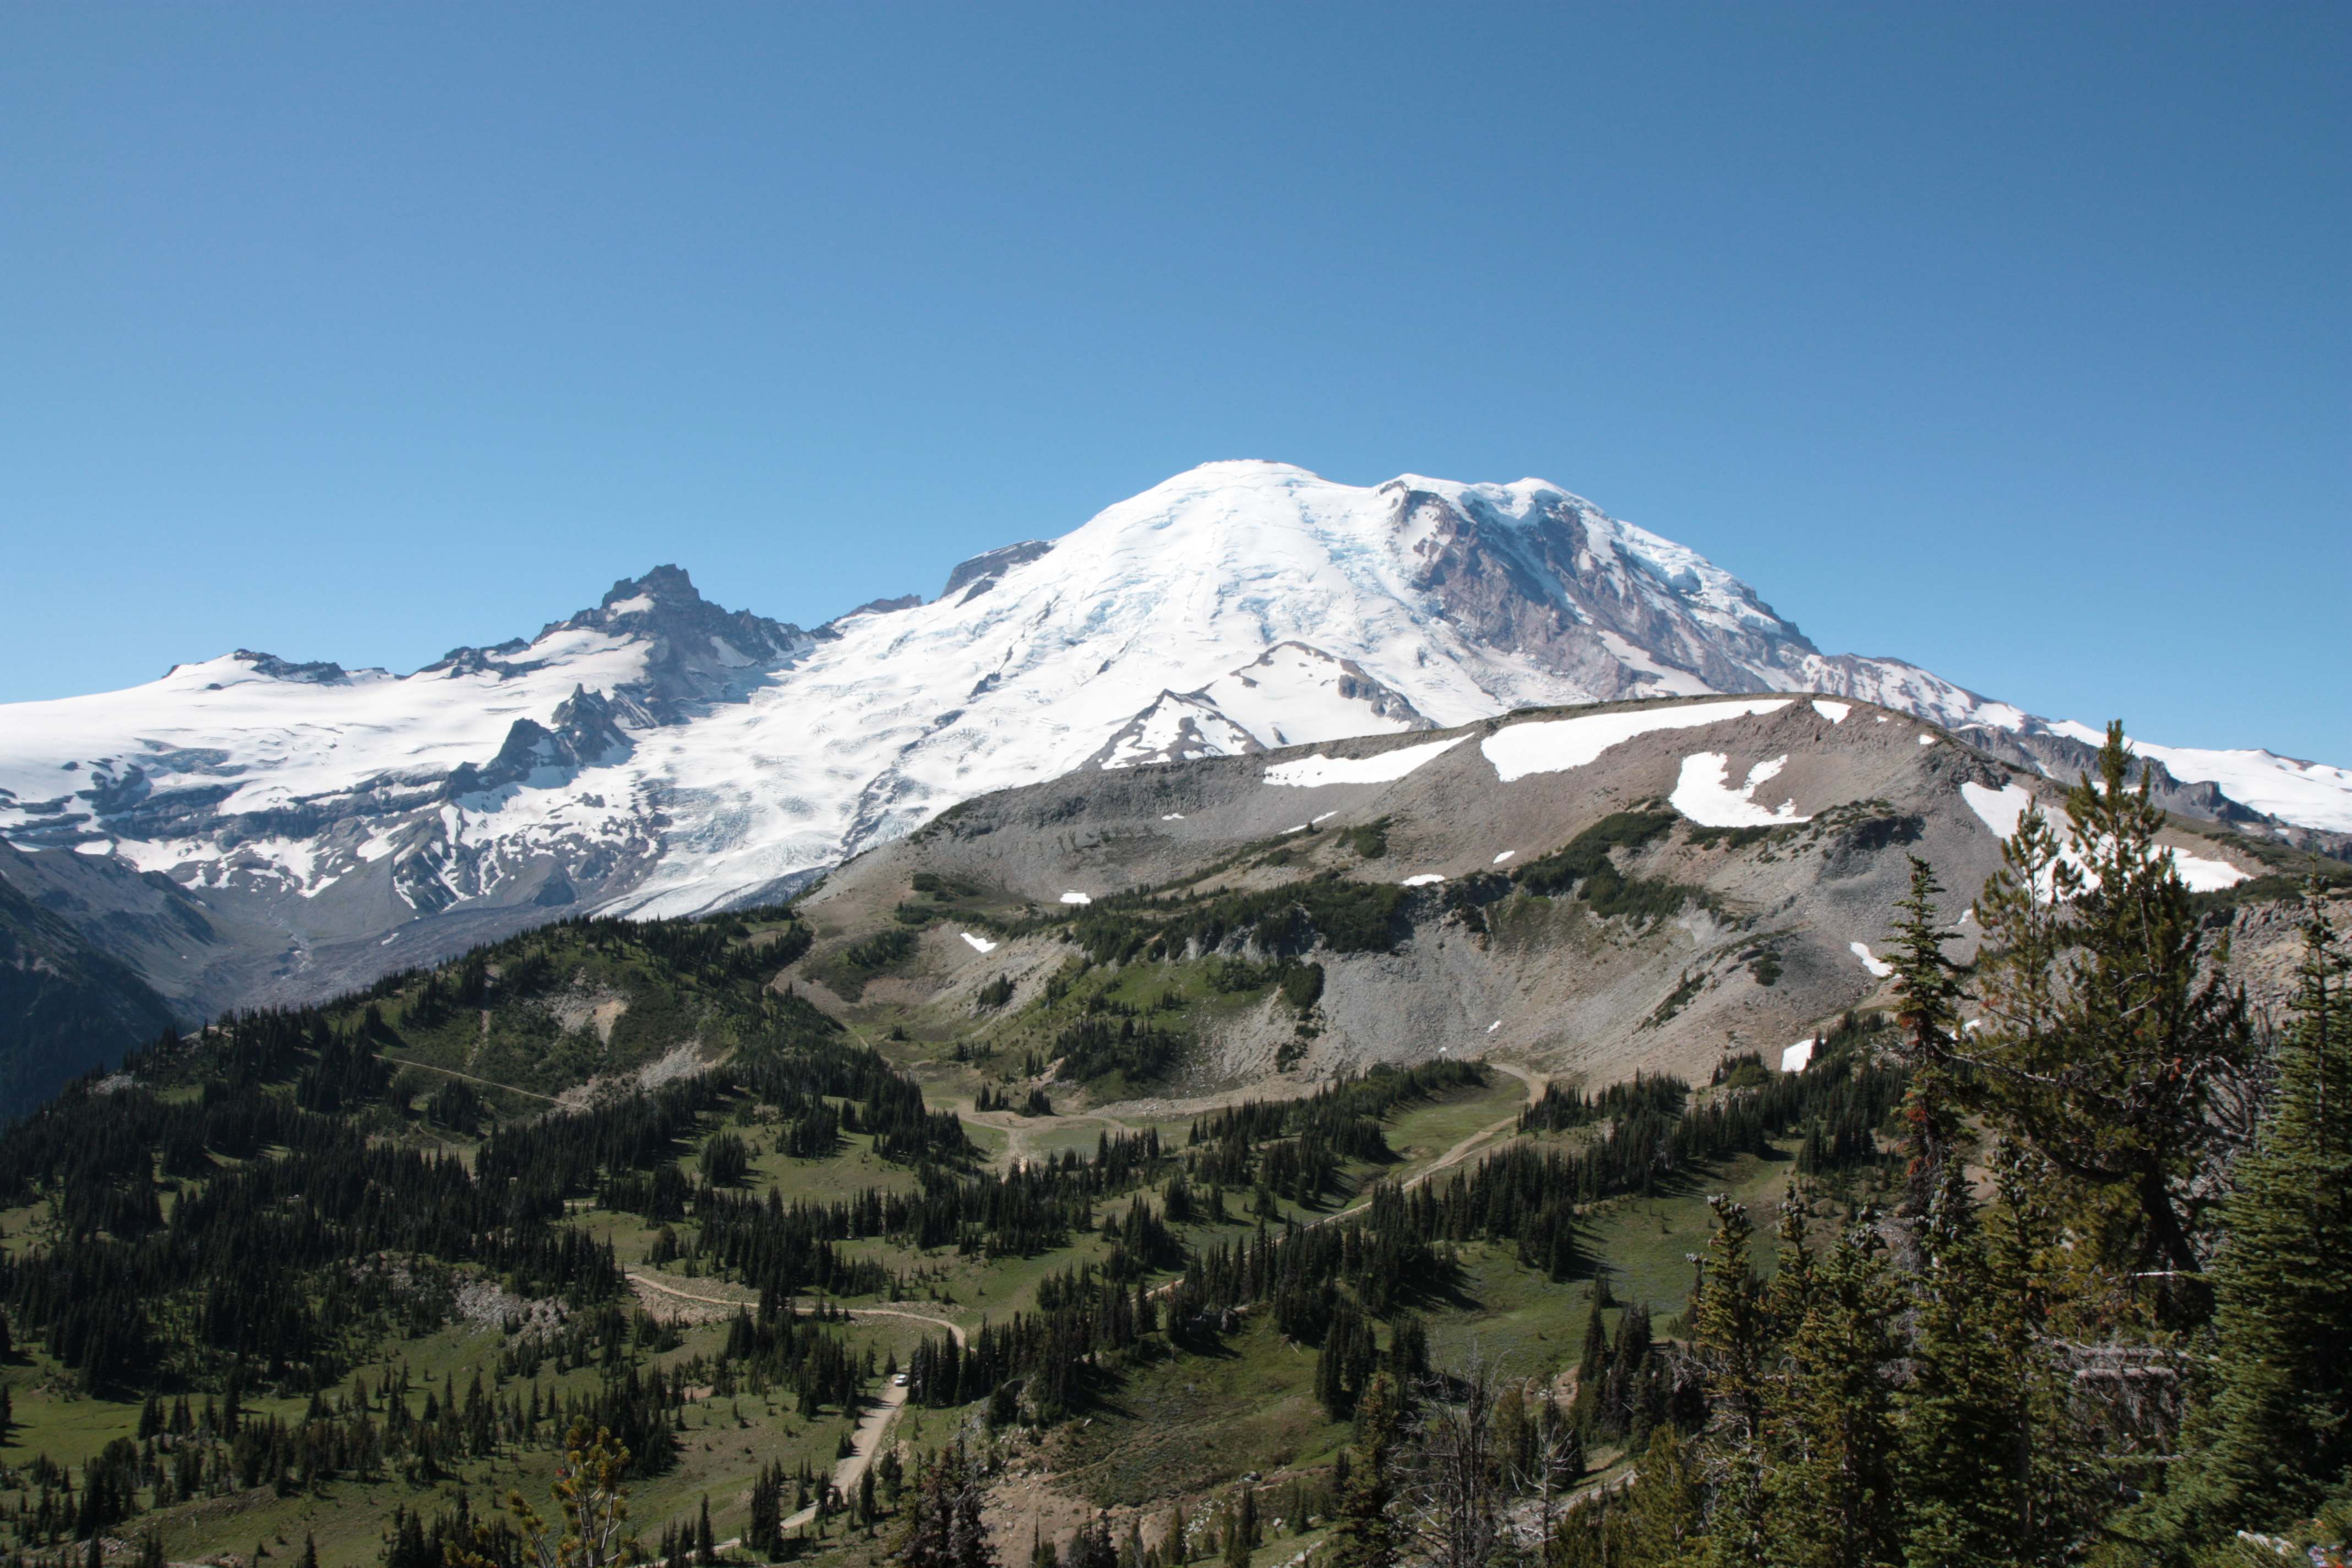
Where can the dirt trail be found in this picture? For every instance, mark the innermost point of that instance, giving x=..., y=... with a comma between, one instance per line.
x=469, y=1077
x=872, y=1422
x=1452, y=1157
x=1461, y=1151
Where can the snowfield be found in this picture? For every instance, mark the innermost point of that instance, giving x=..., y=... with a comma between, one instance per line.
x=1308, y=773
x=1705, y=794
x=2003, y=809
x=1556, y=745
x=660, y=756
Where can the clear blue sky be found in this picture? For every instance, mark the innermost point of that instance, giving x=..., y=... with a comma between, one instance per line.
x=2013, y=342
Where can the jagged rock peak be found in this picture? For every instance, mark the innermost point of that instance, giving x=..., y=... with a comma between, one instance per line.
x=980, y=573
x=659, y=588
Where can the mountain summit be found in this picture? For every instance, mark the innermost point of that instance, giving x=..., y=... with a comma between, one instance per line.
x=659, y=755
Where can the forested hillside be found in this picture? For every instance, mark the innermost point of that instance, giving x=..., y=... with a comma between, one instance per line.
x=2043, y=1261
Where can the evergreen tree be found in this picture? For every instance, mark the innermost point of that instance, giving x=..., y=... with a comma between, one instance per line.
x=1728, y=1343
x=1594, y=1354
x=2055, y=1489
x=1829, y=1488
x=2275, y=1432
x=1663, y=1522
x=1961, y=1495
x=1927, y=998
x=2116, y=1021
x=1092, y=1547
x=1362, y=1535
x=1241, y=1527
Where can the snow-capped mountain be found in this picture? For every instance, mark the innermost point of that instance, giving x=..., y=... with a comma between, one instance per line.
x=658, y=756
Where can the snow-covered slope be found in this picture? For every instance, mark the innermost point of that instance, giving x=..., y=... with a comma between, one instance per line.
x=658, y=756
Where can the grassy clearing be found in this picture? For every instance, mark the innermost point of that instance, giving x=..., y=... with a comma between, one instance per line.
x=1195, y=1423
x=724, y=1445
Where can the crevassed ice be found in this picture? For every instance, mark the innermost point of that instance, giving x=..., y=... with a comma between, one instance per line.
x=1555, y=745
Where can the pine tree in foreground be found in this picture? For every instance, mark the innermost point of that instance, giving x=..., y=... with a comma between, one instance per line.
x=2115, y=1023
x=1829, y=1489
x=1927, y=1002
x=1962, y=1496
x=2275, y=1434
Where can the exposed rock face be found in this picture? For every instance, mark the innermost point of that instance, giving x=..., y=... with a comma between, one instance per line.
x=1749, y=937
x=659, y=755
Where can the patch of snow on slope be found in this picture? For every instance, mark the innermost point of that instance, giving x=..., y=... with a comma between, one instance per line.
x=1176, y=729
x=2000, y=809
x=1505, y=856
x=1427, y=878
x=1299, y=696
x=2003, y=809
x=1556, y=745
x=1794, y=1058
x=1878, y=967
x=2203, y=876
x=979, y=944
x=1835, y=712
x=1706, y=796
x=1076, y=899
x=1311, y=772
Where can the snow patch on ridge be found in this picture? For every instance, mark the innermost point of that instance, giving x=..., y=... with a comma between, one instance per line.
x=1705, y=794
x=1311, y=772
x=2003, y=809
x=1556, y=745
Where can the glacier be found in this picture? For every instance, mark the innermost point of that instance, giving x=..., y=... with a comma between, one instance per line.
x=658, y=756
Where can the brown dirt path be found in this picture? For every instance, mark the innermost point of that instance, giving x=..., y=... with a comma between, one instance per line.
x=872, y=1422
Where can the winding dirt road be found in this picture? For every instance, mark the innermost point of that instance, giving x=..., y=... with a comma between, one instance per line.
x=872, y=1422
x=875, y=1420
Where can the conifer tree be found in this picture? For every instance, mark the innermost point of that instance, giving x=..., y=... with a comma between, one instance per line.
x=1241, y=1527
x=1829, y=1489
x=1362, y=1535
x=1663, y=1510
x=1594, y=1355
x=2115, y=1022
x=1961, y=1495
x=1927, y=993
x=2276, y=1430
x=1727, y=1338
